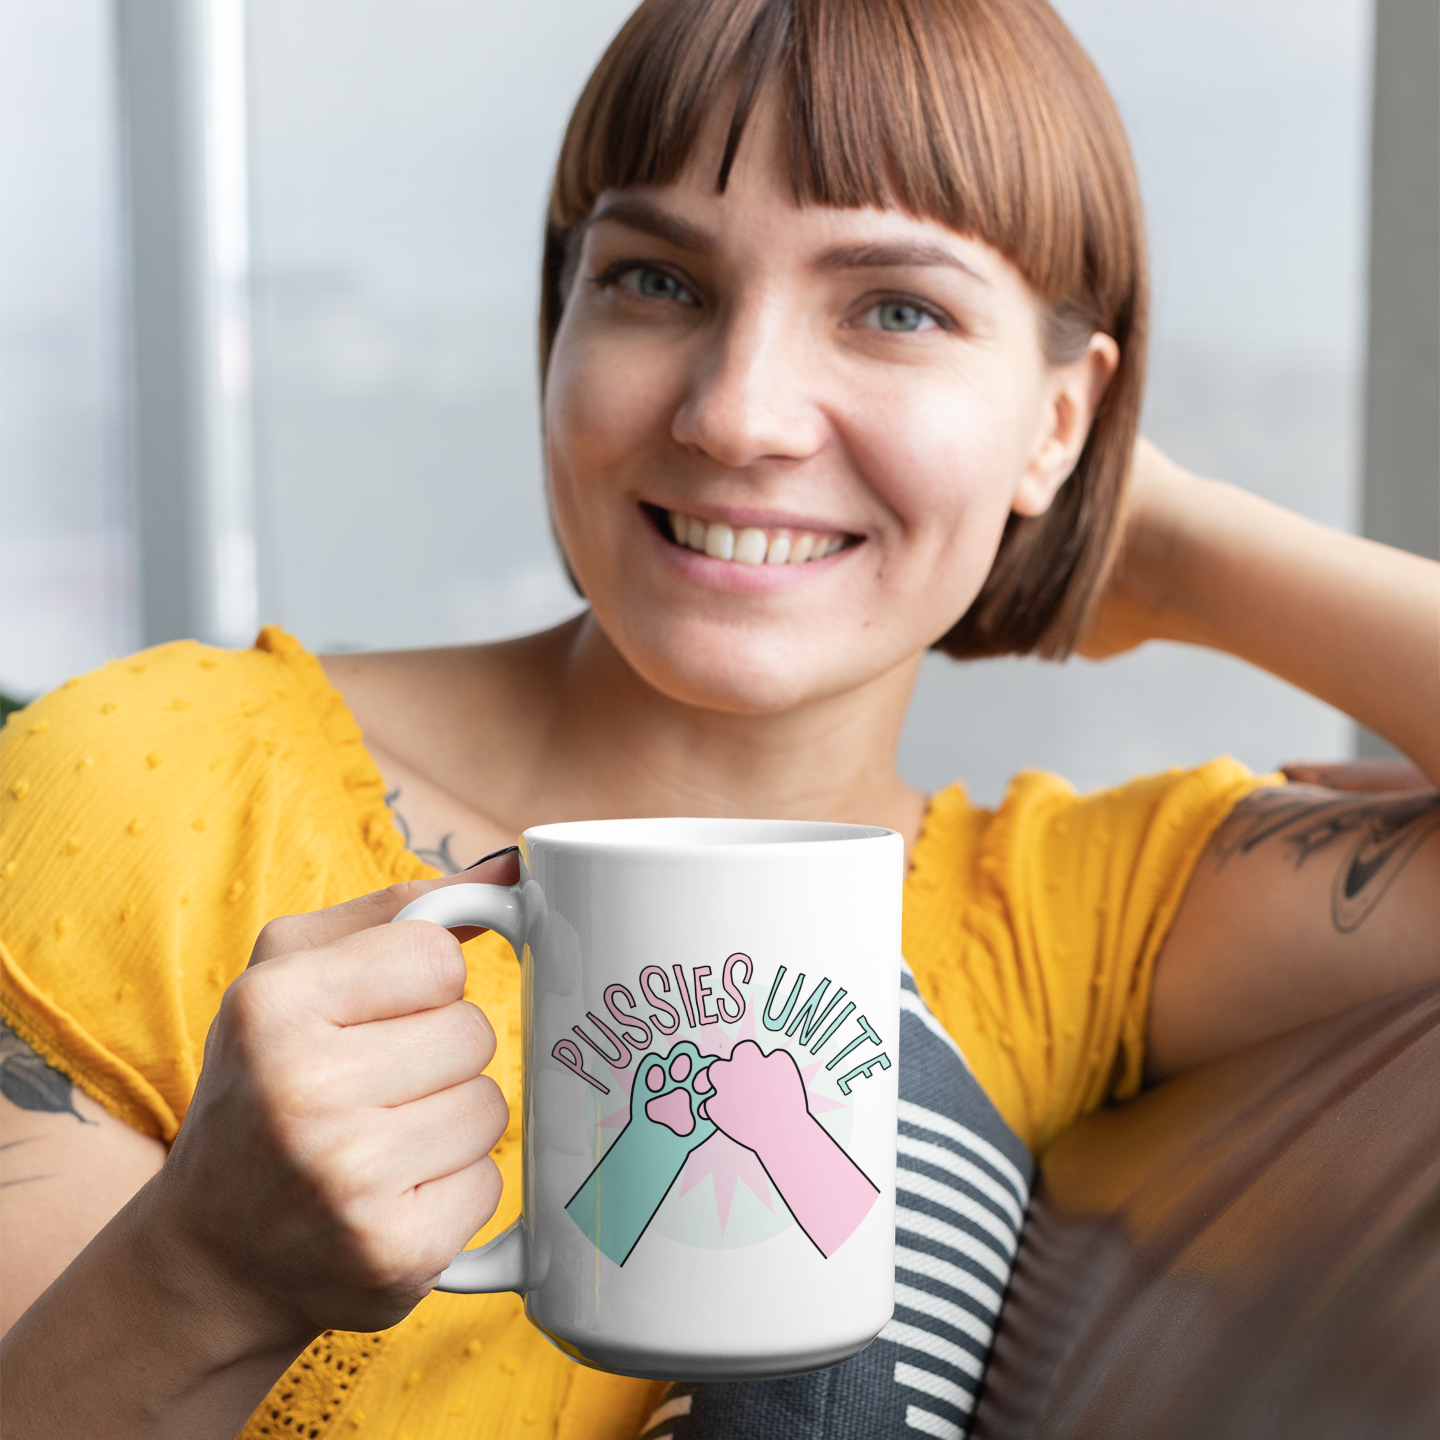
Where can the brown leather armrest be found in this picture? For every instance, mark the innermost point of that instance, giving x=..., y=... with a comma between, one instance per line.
x=1357, y=774
x=1250, y=1251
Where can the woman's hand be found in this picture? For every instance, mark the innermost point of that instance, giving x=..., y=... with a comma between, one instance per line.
x=1354, y=623
x=335, y=1155
x=333, y=1160
x=1130, y=608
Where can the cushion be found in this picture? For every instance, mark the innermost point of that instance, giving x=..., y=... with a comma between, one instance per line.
x=1250, y=1250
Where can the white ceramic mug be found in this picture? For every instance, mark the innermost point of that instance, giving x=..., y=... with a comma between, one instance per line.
x=711, y=1027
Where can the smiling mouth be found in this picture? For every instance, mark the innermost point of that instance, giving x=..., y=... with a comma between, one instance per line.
x=749, y=546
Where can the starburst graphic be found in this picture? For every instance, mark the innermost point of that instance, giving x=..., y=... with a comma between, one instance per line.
x=725, y=1161
x=727, y=1164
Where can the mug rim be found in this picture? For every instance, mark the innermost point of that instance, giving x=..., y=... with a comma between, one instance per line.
x=701, y=834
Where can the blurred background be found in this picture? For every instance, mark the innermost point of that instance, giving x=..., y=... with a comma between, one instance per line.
x=268, y=277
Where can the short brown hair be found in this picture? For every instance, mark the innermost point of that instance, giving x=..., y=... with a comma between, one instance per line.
x=985, y=115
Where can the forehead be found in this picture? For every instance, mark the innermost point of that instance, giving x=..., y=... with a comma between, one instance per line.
x=771, y=224
x=759, y=211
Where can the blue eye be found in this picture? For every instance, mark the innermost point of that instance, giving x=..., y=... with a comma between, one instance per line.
x=656, y=285
x=897, y=317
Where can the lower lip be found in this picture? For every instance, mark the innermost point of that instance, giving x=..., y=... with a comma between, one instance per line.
x=741, y=579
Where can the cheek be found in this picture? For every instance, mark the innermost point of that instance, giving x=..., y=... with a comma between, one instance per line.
x=945, y=459
x=604, y=403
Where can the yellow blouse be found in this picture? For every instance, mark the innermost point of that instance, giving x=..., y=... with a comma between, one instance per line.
x=158, y=811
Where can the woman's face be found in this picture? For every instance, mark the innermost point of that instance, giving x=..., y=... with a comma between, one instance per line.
x=774, y=381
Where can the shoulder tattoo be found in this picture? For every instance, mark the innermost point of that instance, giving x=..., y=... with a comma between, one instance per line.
x=1375, y=835
x=29, y=1083
x=439, y=856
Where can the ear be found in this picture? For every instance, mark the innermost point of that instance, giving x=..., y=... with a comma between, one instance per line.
x=1070, y=397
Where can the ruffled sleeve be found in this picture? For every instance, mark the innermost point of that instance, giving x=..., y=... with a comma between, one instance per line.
x=156, y=813
x=1034, y=929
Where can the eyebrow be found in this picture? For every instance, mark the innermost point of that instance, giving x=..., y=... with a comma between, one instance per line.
x=875, y=255
x=891, y=254
x=650, y=220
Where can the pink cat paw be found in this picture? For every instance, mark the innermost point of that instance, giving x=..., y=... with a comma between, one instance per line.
x=759, y=1099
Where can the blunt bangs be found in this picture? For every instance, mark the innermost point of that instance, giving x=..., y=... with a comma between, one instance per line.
x=983, y=115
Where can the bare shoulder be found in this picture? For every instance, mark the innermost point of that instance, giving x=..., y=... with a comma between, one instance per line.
x=66, y=1167
x=406, y=699
x=1306, y=901
x=452, y=731
x=391, y=692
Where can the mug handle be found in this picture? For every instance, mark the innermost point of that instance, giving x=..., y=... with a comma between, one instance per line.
x=502, y=1263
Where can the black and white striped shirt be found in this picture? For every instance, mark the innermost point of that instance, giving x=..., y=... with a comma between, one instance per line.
x=962, y=1185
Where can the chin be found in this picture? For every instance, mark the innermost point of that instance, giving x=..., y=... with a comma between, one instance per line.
x=739, y=672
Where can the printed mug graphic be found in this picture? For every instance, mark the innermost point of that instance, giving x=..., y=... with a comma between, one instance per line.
x=679, y=1100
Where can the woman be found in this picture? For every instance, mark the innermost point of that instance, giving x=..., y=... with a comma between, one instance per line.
x=843, y=325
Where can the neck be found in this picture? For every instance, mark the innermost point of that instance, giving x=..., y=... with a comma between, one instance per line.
x=616, y=746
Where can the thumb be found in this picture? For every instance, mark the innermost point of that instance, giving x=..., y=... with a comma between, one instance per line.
x=324, y=927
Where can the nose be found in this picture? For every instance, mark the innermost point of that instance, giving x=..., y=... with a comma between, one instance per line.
x=753, y=393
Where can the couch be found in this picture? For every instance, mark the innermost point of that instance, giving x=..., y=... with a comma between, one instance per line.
x=1249, y=1250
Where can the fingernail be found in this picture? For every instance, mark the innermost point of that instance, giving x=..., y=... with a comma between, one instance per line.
x=492, y=855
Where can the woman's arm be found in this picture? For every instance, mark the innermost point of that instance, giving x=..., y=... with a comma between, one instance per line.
x=1354, y=623
x=333, y=1159
x=140, y=1335
x=121, y=1324
x=1308, y=899
x=66, y=1167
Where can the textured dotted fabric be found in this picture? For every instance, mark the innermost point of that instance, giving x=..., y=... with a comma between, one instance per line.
x=155, y=813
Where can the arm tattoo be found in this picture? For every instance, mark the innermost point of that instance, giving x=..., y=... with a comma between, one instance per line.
x=440, y=857
x=27, y=1081
x=23, y=1179
x=1379, y=835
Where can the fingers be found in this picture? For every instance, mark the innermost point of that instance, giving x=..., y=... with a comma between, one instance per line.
x=319, y=928
x=449, y=1210
x=291, y=933
x=754, y=1091
x=410, y=1216
x=450, y=1130
x=341, y=1122
x=378, y=973
x=350, y=965
x=391, y=1151
x=502, y=868
x=743, y=1058
x=392, y=1062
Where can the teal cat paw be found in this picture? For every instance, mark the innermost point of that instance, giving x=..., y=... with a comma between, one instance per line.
x=667, y=1121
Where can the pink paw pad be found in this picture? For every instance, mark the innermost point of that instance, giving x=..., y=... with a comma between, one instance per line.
x=672, y=1110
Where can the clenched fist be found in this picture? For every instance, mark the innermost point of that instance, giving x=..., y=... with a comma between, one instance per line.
x=335, y=1155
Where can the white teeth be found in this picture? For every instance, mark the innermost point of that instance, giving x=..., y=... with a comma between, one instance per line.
x=719, y=541
x=750, y=547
